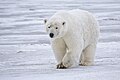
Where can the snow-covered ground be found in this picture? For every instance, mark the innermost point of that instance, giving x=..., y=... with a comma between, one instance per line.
x=25, y=52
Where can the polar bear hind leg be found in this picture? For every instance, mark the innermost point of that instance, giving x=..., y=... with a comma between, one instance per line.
x=87, y=56
x=81, y=58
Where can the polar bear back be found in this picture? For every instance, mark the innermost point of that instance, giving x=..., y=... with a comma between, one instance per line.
x=88, y=24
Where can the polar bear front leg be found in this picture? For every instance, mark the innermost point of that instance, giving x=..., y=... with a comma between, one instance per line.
x=59, y=49
x=71, y=58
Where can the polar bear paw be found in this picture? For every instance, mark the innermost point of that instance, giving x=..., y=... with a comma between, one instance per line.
x=61, y=66
x=86, y=64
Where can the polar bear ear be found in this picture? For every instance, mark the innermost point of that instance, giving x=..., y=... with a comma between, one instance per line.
x=63, y=23
x=45, y=20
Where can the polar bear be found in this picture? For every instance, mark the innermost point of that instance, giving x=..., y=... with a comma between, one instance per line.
x=74, y=35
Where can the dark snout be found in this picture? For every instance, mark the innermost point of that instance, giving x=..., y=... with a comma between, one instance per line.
x=51, y=35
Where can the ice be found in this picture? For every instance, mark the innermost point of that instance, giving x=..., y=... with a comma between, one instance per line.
x=25, y=51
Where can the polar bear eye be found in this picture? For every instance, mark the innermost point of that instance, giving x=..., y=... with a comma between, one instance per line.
x=56, y=28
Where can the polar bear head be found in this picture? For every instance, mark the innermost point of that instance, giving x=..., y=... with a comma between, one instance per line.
x=55, y=27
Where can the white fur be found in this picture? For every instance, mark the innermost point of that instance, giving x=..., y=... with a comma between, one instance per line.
x=75, y=42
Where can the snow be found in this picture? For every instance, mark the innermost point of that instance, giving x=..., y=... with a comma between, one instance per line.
x=25, y=51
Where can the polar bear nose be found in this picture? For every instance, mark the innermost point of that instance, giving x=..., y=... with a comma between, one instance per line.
x=51, y=35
